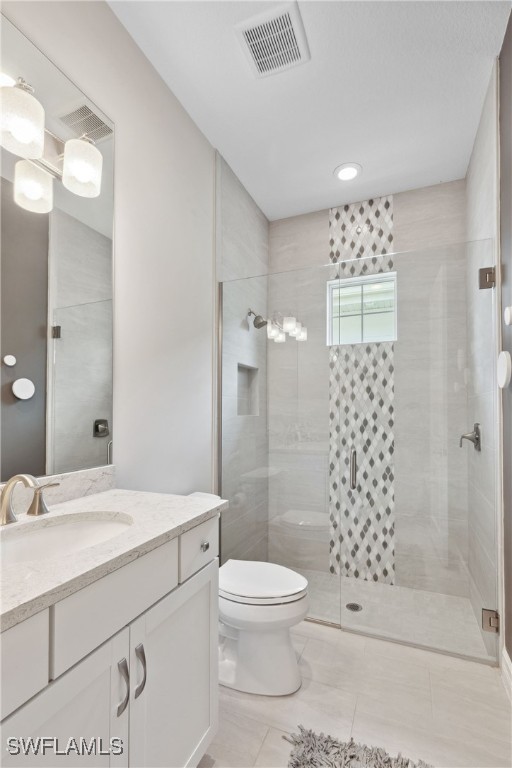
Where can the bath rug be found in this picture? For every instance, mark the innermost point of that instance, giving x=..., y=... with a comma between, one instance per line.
x=312, y=750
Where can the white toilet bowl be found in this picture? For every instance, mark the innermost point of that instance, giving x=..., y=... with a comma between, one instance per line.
x=258, y=603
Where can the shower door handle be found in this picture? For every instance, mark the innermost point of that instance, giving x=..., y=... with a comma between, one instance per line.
x=353, y=469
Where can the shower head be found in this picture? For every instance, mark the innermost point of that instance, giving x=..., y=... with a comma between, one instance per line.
x=259, y=321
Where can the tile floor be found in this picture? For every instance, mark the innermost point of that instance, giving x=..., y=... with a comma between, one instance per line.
x=416, y=616
x=446, y=711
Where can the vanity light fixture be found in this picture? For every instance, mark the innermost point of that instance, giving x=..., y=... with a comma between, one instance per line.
x=347, y=171
x=33, y=187
x=21, y=121
x=81, y=172
x=278, y=328
x=6, y=80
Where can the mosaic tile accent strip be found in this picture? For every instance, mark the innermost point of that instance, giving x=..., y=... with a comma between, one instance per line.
x=361, y=230
x=361, y=386
x=362, y=267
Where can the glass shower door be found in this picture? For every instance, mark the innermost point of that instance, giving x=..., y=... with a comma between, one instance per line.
x=418, y=516
x=341, y=455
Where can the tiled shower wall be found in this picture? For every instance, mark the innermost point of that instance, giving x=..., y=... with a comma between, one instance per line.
x=430, y=517
x=242, y=251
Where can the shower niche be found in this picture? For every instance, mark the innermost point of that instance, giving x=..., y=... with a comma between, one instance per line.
x=247, y=391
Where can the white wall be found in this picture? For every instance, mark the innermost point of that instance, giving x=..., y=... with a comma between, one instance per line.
x=164, y=271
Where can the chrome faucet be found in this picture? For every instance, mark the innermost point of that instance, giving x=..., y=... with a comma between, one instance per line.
x=6, y=511
x=473, y=437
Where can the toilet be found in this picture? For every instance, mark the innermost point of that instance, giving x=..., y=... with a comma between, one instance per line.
x=258, y=604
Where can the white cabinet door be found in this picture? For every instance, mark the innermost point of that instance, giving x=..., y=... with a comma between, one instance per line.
x=173, y=714
x=81, y=705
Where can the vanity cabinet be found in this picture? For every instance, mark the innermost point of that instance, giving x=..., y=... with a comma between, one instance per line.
x=152, y=685
x=173, y=663
x=81, y=704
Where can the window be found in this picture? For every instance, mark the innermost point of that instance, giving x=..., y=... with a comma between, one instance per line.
x=361, y=309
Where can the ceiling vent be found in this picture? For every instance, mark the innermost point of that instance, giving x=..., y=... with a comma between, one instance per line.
x=274, y=40
x=84, y=121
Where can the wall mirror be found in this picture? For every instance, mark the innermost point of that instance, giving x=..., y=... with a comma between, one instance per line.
x=56, y=268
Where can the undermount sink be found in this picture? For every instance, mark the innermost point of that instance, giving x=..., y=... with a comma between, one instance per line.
x=50, y=538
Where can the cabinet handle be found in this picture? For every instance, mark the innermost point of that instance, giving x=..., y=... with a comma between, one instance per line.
x=205, y=546
x=140, y=654
x=123, y=669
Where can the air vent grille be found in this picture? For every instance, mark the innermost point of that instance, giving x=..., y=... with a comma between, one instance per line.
x=84, y=121
x=275, y=41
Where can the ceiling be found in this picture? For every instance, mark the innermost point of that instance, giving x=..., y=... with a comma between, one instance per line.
x=397, y=87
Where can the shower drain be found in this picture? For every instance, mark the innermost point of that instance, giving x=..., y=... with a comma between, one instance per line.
x=354, y=607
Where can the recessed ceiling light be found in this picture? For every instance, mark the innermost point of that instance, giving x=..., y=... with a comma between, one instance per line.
x=347, y=171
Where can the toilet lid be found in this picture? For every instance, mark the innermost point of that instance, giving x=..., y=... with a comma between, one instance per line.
x=307, y=520
x=260, y=581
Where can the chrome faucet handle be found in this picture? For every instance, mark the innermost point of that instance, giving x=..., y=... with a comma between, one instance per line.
x=38, y=505
x=6, y=511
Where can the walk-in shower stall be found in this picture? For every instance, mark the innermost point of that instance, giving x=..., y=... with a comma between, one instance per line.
x=342, y=448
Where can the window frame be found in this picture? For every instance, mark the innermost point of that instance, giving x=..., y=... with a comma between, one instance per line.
x=379, y=277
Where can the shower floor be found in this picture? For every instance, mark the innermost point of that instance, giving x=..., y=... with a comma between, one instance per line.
x=427, y=619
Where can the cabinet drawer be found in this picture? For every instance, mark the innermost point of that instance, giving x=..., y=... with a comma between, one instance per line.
x=83, y=621
x=24, y=661
x=198, y=547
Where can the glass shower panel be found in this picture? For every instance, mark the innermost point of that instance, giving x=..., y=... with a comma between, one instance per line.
x=340, y=453
x=416, y=561
x=301, y=515
x=245, y=470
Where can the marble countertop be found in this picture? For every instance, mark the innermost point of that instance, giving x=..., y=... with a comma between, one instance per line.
x=31, y=586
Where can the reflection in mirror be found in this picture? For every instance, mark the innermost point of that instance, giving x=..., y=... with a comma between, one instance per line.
x=56, y=269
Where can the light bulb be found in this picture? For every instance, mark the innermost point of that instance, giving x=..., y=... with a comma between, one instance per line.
x=296, y=330
x=33, y=187
x=81, y=172
x=272, y=330
x=6, y=80
x=21, y=121
x=23, y=130
x=303, y=335
x=289, y=324
x=281, y=336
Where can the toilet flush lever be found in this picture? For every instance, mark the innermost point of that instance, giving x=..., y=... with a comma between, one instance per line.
x=473, y=437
